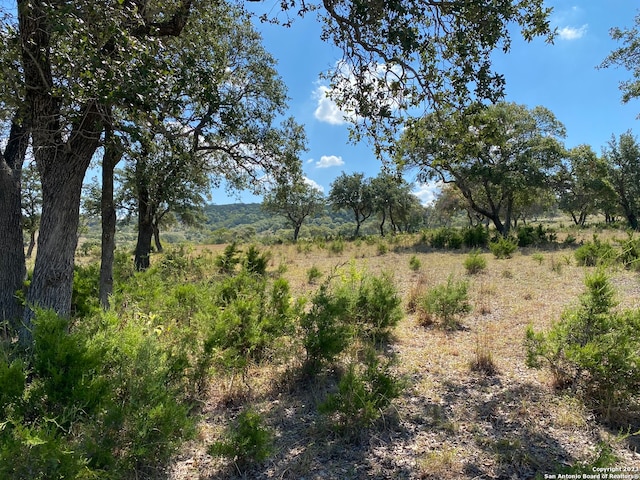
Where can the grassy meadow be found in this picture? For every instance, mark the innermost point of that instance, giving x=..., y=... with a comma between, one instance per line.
x=423, y=392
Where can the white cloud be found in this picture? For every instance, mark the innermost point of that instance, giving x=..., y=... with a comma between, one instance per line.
x=571, y=33
x=314, y=184
x=327, y=110
x=427, y=192
x=327, y=161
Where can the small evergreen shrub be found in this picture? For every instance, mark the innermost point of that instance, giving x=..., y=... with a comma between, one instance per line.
x=364, y=392
x=383, y=248
x=227, y=261
x=593, y=349
x=595, y=253
x=313, y=274
x=475, y=237
x=337, y=246
x=629, y=254
x=85, y=297
x=325, y=333
x=503, y=247
x=377, y=307
x=247, y=441
x=256, y=262
x=414, y=263
x=538, y=257
x=475, y=263
x=447, y=302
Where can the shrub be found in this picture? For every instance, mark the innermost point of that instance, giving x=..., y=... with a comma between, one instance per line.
x=325, y=334
x=377, y=306
x=475, y=237
x=364, y=392
x=592, y=349
x=447, y=302
x=595, y=253
x=101, y=401
x=227, y=261
x=538, y=257
x=247, y=441
x=337, y=246
x=414, y=263
x=503, y=247
x=629, y=254
x=475, y=263
x=256, y=262
x=383, y=248
x=313, y=274
x=85, y=297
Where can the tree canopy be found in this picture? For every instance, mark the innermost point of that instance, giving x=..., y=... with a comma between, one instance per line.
x=498, y=156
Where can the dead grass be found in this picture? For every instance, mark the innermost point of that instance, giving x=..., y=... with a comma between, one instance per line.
x=471, y=408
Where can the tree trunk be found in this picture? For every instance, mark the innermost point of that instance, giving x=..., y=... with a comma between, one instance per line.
x=384, y=217
x=32, y=243
x=156, y=237
x=145, y=229
x=12, y=261
x=112, y=155
x=296, y=231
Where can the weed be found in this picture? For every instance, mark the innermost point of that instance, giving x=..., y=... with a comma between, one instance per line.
x=503, y=248
x=313, y=274
x=538, y=257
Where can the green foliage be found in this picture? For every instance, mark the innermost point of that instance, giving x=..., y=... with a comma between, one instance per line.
x=376, y=309
x=446, y=238
x=325, y=333
x=313, y=274
x=475, y=237
x=447, y=302
x=228, y=260
x=337, y=246
x=414, y=263
x=629, y=253
x=382, y=248
x=247, y=440
x=595, y=253
x=592, y=348
x=475, y=262
x=84, y=296
x=503, y=247
x=364, y=392
x=538, y=257
x=529, y=235
x=102, y=401
x=256, y=262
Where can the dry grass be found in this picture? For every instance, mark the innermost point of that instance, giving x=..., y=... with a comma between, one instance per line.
x=497, y=419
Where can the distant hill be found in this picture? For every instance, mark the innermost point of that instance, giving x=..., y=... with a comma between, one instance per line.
x=247, y=220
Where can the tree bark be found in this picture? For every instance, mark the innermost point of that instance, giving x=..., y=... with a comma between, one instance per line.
x=156, y=237
x=112, y=155
x=32, y=243
x=145, y=229
x=13, y=269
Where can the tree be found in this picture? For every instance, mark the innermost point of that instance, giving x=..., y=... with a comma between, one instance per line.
x=496, y=156
x=162, y=179
x=31, y=204
x=627, y=56
x=392, y=198
x=352, y=192
x=80, y=60
x=295, y=199
x=581, y=184
x=623, y=163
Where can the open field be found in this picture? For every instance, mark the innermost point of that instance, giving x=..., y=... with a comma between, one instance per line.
x=450, y=422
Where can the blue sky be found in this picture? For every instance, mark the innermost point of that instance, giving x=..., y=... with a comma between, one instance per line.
x=562, y=77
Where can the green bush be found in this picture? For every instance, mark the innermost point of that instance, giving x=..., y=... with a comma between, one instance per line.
x=446, y=238
x=337, y=246
x=503, y=247
x=414, y=263
x=595, y=253
x=475, y=237
x=629, y=254
x=593, y=349
x=377, y=306
x=447, y=302
x=256, y=262
x=86, y=283
x=325, y=333
x=364, y=392
x=313, y=274
x=227, y=261
x=101, y=401
x=247, y=440
x=475, y=263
